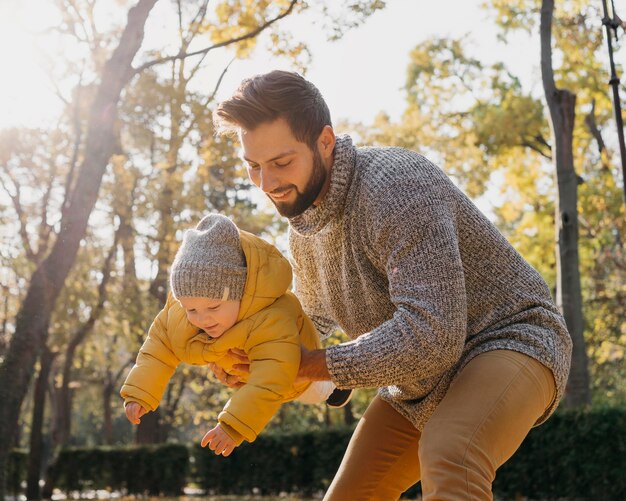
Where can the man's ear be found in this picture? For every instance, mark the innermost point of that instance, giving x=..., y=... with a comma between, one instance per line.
x=326, y=142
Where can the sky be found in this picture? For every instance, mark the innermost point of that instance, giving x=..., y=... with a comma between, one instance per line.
x=359, y=75
x=365, y=71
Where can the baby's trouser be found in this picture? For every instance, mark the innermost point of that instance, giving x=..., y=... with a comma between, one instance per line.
x=488, y=410
x=317, y=392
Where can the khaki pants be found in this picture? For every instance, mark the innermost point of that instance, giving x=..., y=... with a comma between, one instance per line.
x=487, y=412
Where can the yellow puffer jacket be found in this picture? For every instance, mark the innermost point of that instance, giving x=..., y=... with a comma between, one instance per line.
x=270, y=328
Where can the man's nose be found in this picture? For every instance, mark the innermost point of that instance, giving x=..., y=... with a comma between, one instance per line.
x=268, y=181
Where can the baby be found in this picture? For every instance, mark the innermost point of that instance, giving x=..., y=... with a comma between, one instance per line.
x=229, y=291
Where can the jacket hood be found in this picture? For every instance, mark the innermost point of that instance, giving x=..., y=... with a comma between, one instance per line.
x=269, y=275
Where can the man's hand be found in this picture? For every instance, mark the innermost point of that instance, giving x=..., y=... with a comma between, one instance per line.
x=242, y=357
x=219, y=441
x=232, y=380
x=313, y=366
x=134, y=411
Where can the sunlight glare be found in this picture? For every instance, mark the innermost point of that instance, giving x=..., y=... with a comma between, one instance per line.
x=26, y=96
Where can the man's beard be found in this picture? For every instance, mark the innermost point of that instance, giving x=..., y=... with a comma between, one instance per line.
x=310, y=192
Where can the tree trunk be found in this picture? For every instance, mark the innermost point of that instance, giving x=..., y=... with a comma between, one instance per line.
x=348, y=416
x=561, y=104
x=34, y=315
x=107, y=426
x=35, y=455
x=149, y=430
x=63, y=422
x=569, y=294
x=327, y=421
x=109, y=388
x=4, y=336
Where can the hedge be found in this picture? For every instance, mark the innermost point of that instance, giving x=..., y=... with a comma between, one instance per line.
x=575, y=455
x=16, y=470
x=153, y=470
x=296, y=463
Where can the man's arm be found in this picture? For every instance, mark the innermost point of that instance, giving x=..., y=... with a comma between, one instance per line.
x=313, y=366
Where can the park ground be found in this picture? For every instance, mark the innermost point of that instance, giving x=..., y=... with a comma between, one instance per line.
x=281, y=497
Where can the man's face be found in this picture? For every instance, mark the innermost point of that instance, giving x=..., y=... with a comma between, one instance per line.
x=292, y=175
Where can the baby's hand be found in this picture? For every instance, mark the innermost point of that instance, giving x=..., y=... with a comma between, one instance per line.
x=219, y=441
x=134, y=411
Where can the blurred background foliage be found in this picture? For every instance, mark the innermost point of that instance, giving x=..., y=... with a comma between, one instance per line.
x=476, y=119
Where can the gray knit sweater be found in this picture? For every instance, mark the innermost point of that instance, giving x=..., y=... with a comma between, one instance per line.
x=418, y=277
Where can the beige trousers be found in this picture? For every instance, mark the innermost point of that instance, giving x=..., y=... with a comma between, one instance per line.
x=481, y=422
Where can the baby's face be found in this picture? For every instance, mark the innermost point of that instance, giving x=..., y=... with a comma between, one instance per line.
x=211, y=315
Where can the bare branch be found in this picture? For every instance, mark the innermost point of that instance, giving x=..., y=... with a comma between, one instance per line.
x=174, y=394
x=208, y=99
x=21, y=216
x=592, y=125
x=58, y=92
x=225, y=43
x=194, y=30
x=196, y=22
x=534, y=147
x=542, y=141
x=197, y=67
x=122, y=369
x=78, y=131
x=79, y=335
x=179, y=9
x=92, y=21
x=219, y=82
x=83, y=21
x=44, y=228
x=64, y=7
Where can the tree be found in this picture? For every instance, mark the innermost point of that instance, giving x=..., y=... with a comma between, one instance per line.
x=492, y=136
x=62, y=423
x=34, y=315
x=94, y=142
x=579, y=48
x=31, y=158
x=36, y=435
x=562, y=106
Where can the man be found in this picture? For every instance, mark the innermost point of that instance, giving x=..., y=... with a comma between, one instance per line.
x=456, y=329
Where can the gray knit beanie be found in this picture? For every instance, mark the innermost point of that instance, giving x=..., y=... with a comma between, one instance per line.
x=210, y=262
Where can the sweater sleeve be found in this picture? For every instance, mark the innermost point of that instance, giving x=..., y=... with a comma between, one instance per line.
x=155, y=365
x=273, y=348
x=416, y=242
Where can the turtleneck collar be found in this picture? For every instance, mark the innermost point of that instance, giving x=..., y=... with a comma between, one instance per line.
x=315, y=218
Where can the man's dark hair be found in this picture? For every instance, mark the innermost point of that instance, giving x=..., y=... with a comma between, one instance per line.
x=268, y=97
